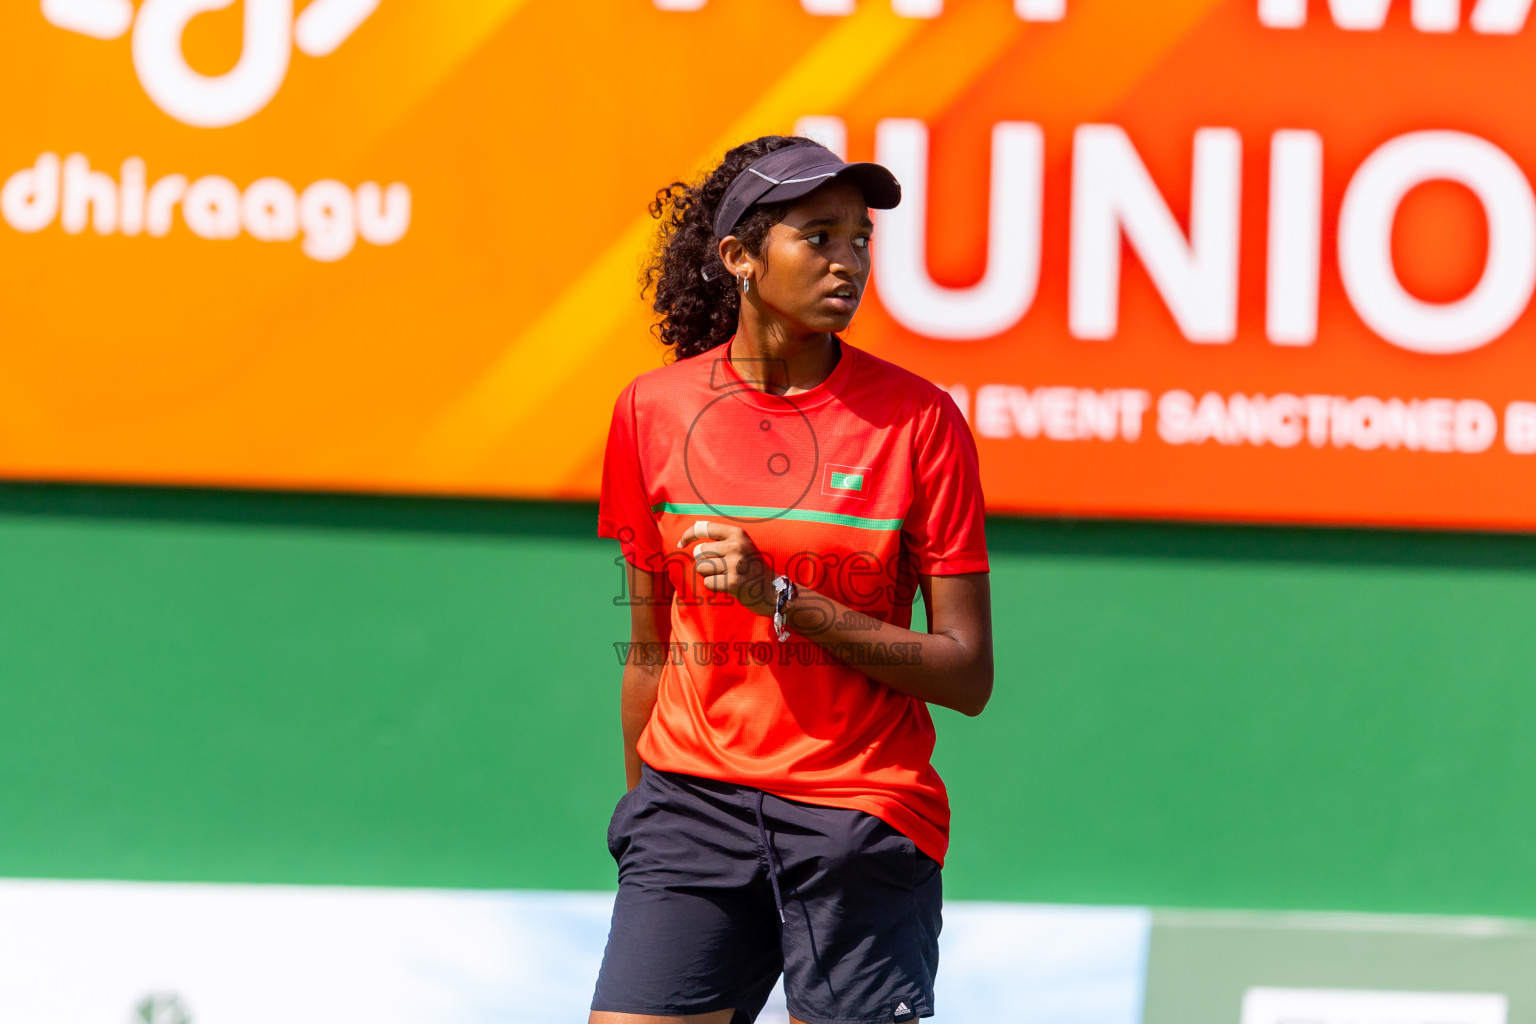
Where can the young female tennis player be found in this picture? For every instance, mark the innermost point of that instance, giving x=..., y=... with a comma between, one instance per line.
x=780, y=495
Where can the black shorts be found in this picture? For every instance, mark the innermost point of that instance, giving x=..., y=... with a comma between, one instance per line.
x=696, y=925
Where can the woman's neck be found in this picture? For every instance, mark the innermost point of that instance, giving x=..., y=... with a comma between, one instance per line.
x=775, y=360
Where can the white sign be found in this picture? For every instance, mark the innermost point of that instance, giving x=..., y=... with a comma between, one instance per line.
x=1353, y=1006
x=119, y=952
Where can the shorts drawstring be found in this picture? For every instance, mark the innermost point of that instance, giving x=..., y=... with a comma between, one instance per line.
x=773, y=863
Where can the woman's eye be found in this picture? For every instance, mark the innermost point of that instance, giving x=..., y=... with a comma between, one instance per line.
x=862, y=241
x=817, y=239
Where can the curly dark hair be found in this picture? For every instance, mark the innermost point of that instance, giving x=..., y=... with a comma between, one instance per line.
x=693, y=292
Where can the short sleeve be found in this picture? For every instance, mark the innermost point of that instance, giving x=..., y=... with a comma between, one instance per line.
x=624, y=508
x=946, y=523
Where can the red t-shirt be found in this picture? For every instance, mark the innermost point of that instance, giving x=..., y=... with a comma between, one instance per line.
x=852, y=488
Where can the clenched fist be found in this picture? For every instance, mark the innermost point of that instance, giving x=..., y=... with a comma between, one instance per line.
x=730, y=563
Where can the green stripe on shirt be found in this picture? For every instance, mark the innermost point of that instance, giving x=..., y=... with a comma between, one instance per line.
x=755, y=512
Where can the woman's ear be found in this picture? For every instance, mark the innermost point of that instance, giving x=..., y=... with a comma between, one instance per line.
x=734, y=255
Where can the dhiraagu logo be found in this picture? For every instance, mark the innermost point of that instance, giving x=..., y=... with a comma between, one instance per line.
x=846, y=481
x=214, y=101
x=136, y=198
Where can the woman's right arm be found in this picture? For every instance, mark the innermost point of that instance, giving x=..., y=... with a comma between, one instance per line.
x=650, y=631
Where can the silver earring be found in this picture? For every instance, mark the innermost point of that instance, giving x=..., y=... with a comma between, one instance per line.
x=746, y=284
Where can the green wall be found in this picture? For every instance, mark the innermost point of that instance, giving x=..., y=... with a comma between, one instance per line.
x=227, y=686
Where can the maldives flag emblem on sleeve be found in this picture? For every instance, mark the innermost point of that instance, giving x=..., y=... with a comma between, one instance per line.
x=846, y=481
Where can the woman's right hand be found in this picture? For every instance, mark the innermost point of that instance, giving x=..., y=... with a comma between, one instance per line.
x=729, y=563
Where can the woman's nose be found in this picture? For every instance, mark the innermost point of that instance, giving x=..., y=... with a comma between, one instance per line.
x=849, y=258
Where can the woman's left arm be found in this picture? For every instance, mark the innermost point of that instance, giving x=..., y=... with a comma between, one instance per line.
x=950, y=665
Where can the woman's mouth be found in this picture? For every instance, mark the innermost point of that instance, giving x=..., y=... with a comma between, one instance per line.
x=844, y=299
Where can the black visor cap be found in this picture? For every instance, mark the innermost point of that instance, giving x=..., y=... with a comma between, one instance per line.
x=799, y=170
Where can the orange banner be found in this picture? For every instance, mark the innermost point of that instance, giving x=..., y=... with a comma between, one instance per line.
x=1251, y=259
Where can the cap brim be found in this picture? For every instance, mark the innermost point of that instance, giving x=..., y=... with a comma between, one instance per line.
x=881, y=189
x=795, y=171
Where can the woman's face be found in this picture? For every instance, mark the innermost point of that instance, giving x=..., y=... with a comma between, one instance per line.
x=815, y=262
